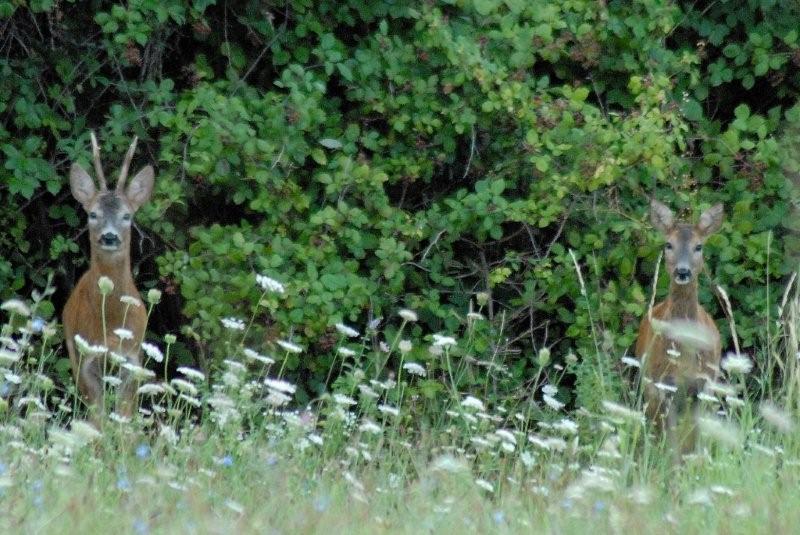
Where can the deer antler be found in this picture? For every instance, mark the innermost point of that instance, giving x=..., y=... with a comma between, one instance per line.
x=123, y=172
x=98, y=166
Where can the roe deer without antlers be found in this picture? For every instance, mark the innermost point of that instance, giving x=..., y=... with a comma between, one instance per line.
x=678, y=342
x=110, y=214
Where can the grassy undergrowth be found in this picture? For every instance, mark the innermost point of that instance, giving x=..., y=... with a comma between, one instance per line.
x=229, y=449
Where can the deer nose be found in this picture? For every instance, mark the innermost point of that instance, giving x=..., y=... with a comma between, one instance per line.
x=683, y=274
x=109, y=238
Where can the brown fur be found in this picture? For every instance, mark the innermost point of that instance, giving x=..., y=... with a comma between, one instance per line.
x=689, y=371
x=82, y=312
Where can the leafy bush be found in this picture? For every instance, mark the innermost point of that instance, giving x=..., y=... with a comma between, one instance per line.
x=377, y=155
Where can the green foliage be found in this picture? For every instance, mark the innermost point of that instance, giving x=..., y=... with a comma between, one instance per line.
x=379, y=154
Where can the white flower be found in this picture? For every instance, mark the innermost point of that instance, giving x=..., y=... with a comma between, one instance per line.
x=388, y=409
x=702, y=396
x=734, y=363
x=85, y=347
x=633, y=363
x=233, y=324
x=191, y=373
x=276, y=399
x=150, y=389
x=119, y=418
x=8, y=356
x=472, y=402
x=138, y=372
x=346, y=330
x=111, y=380
x=368, y=426
x=130, y=300
x=566, y=426
x=270, y=285
x=105, y=284
x=280, y=386
x=415, y=369
x=316, y=439
x=124, y=334
x=368, y=392
x=720, y=431
x=85, y=431
x=485, y=485
x=346, y=352
x=506, y=435
x=234, y=366
x=615, y=409
x=341, y=399
x=289, y=346
x=234, y=506
x=552, y=402
x=153, y=351
x=407, y=315
x=776, y=417
x=474, y=316
x=184, y=386
x=664, y=387
x=550, y=390
x=405, y=346
x=252, y=355
x=443, y=341
x=448, y=463
x=116, y=358
x=191, y=400
x=168, y=434
x=16, y=306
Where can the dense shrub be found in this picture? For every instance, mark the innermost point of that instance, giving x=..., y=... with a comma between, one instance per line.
x=373, y=155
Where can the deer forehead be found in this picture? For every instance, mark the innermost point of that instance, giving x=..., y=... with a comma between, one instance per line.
x=109, y=204
x=684, y=234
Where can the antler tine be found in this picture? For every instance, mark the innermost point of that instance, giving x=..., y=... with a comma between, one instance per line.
x=123, y=172
x=98, y=166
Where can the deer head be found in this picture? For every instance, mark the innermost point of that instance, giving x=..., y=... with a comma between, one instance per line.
x=683, y=250
x=110, y=212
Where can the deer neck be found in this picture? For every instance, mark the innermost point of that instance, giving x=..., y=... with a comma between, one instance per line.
x=683, y=301
x=116, y=267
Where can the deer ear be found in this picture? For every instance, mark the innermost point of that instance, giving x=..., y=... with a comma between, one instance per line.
x=661, y=216
x=140, y=188
x=81, y=184
x=710, y=220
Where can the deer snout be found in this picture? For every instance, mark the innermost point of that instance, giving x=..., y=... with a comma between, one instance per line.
x=110, y=240
x=683, y=274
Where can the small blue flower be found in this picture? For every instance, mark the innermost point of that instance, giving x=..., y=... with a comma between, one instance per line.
x=140, y=527
x=38, y=501
x=599, y=506
x=227, y=461
x=566, y=503
x=5, y=388
x=3, y=468
x=37, y=485
x=272, y=459
x=321, y=503
x=123, y=484
x=499, y=517
x=143, y=451
x=37, y=324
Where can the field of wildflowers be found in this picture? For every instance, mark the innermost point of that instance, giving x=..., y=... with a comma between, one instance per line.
x=230, y=449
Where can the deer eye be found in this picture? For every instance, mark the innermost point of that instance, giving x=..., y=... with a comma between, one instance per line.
x=126, y=217
x=92, y=215
x=668, y=246
x=698, y=248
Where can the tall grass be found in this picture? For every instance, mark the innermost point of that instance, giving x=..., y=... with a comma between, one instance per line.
x=393, y=445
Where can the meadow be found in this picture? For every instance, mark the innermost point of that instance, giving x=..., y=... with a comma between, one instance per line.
x=231, y=450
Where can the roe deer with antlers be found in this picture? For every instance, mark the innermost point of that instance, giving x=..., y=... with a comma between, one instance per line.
x=110, y=214
x=678, y=343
